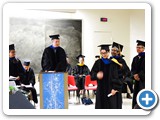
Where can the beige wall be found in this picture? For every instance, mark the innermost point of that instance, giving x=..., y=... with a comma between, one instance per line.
x=137, y=29
x=123, y=26
x=95, y=32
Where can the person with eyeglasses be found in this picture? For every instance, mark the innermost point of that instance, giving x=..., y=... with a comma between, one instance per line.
x=105, y=72
x=124, y=71
x=138, y=70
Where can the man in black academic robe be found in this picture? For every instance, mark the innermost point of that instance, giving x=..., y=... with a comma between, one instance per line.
x=138, y=70
x=123, y=71
x=15, y=66
x=29, y=79
x=106, y=73
x=54, y=57
x=80, y=71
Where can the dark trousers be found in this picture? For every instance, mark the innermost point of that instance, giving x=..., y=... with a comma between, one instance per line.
x=124, y=87
x=34, y=93
x=80, y=85
x=130, y=85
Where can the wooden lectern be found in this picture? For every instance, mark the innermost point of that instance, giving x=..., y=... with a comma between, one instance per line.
x=53, y=90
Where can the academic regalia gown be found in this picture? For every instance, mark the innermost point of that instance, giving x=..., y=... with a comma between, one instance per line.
x=110, y=81
x=138, y=67
x=121, y=70
x=80, y=81
x=54, y=59
x=125, y=69
x=16, y=69
x=126, y=75
x=124, y=72
x=29, y=78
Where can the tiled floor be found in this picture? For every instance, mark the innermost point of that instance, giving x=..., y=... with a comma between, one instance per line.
x=127, y=103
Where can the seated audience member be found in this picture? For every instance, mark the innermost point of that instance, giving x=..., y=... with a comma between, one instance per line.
x=80, y=71
x=15, y=67
x=29, y=79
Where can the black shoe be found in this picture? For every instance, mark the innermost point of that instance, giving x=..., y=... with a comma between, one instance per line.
x=129, y=96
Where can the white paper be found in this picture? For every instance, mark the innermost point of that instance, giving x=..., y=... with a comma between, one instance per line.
x=22, y=85
x=12, y=83
x=109, y=95
x=12, y=78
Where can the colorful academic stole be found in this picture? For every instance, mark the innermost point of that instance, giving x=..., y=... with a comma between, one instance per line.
x=115, y=61
x=80, y=64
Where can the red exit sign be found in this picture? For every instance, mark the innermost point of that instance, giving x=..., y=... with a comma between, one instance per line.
x=104, y=19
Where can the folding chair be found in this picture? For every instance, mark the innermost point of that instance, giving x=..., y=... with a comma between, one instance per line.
x=71, y=84
x=90, y=85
